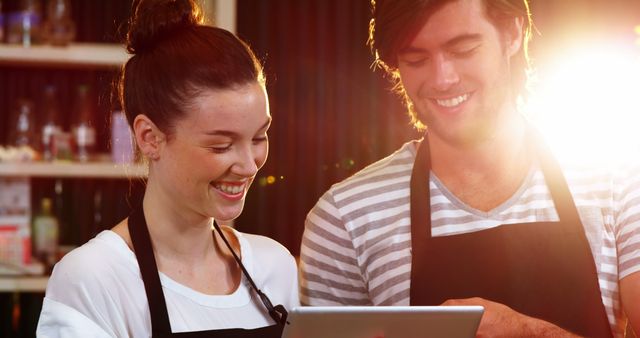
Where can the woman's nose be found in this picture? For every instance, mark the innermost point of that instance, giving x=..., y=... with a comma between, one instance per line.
x=246, y=163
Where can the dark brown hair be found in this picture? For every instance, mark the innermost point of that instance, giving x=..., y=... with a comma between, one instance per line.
x=175, y=57
x=394, y=22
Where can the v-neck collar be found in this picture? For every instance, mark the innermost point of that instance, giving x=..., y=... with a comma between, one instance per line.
x=511, y=201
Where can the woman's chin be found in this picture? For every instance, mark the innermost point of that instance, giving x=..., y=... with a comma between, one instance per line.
x=226, y=216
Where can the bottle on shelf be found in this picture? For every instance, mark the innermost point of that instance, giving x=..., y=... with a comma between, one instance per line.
x=61, y=208
x=59, y=29
x=84, y=133
x=50, y=124
x=62, y=146
x=45, y=234
x=122, y=145
x=23, y=124
x=24, y=25
x=1, y=23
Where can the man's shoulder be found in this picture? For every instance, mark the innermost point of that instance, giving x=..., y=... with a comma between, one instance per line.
x=599, y=186
x=393, y=168
x=605, y=171
x=598, y=178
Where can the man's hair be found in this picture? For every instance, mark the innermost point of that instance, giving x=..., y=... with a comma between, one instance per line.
x=395, y=22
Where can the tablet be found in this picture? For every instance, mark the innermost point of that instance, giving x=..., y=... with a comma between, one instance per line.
x=383, y=321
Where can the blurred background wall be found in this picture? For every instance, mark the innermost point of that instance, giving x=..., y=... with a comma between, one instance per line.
x=333, y=114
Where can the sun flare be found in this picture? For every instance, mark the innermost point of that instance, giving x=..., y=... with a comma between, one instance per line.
x=587, y=106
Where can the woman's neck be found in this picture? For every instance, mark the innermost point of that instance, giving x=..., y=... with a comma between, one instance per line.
x=175, y=230
x=184, y=246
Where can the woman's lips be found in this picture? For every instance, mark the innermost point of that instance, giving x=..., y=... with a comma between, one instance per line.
x=230, y=190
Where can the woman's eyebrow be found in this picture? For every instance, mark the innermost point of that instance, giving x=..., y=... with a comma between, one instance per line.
x=233, y=133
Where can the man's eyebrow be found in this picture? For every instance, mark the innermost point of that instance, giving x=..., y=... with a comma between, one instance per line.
x=411, y=50
x=463, y=38
x=449, y=43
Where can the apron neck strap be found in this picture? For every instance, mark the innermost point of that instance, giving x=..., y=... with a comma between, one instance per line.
x=149, y=269
x=420, y=194
x=556, y=182
x=143, y=249
x=278, y=313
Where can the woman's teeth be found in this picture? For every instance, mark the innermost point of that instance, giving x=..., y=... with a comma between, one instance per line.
x=229, y=189
x=453, y=101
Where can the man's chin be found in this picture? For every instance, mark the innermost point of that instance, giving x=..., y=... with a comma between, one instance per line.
x=461, y=137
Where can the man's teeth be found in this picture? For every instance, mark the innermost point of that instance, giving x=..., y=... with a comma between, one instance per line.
x=453, y=101
x=229, y=189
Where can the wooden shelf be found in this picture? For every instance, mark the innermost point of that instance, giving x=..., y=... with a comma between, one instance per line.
x=222, y=13
x=75, y=55
x=74, y=170
x=23, y=283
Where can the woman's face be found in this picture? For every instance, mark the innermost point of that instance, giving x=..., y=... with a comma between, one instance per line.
x=215, y=151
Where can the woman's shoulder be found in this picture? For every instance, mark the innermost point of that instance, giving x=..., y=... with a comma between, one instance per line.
x=273, y=268
x=101, y=259
x=99, y=281
x=264, y=248
x=107, y=247
x=266, y=257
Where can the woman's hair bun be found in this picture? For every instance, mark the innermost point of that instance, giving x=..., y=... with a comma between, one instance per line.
x=153, y=20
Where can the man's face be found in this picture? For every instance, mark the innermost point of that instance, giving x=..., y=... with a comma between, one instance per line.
x=456, y=73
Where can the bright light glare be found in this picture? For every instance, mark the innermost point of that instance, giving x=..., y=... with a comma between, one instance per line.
x=587, y=106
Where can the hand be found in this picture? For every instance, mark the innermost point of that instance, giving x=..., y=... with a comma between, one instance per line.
x=630, y=293
x=500, y=320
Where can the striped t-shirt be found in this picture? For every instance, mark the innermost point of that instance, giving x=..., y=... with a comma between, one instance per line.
x=357, y=239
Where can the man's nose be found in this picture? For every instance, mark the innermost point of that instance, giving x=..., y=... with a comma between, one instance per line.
x=444, y=74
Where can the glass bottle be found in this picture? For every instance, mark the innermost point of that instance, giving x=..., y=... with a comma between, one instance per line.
x=50, y=125
x=1, y=23
x=24, y=25
x=59, y=29
x=23, y=124
x=45, y=234
x=122, y=146
x=84, y=134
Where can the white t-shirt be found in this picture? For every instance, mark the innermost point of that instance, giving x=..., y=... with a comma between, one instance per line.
x=97, y=291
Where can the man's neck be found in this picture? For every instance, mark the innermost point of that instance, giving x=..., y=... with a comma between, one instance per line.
x=484, y=174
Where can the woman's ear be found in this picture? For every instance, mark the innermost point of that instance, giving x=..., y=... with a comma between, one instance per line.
x=514, y=36
x=148, y=137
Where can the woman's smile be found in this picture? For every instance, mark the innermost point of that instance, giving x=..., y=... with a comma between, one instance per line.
x=231, y=190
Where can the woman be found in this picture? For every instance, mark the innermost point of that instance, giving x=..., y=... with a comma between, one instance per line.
x=195, y=98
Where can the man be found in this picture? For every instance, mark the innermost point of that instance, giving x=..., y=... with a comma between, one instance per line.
x=478, y=212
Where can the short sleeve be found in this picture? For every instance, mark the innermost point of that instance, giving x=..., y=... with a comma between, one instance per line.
x=61, y=321
x=627, y=219
x=329, y=273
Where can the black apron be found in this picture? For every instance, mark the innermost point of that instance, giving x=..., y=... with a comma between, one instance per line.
x=544, y=270
x=160, y=325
